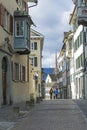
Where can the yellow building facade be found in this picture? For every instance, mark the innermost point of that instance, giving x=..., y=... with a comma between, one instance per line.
x=35, y=58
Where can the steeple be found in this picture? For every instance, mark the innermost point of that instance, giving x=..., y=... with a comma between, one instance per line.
x=56, y=67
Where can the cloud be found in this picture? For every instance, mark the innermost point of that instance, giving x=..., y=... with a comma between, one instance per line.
x=52, y=20
x=48, y=61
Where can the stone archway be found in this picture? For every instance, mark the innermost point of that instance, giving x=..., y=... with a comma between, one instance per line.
x=4, y=80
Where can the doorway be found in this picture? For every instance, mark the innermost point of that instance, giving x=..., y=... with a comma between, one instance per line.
x=4, y=80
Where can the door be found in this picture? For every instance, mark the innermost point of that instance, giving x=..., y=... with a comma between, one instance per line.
x=4, y=71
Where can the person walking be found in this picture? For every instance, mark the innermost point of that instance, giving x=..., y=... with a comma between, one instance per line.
x=56, y=93
x=51, y=93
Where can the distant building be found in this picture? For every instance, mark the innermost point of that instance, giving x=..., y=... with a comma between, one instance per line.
x=50, y=82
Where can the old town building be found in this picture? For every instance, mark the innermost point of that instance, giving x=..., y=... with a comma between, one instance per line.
x=15, y=26
x=35, y=66
x=76, y=52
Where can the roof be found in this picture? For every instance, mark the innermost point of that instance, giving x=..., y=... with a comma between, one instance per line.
x=53, y=77
x=36, y=35
x=48, y=71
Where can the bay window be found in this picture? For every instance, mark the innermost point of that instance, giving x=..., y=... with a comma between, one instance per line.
x=19, y=28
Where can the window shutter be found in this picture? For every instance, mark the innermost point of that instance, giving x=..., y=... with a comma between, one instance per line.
x=11, y=24
x=12, y=68
x=26, y=74
x=84, y=37
x=20, y=69
x=2, y=15
x=26, y=7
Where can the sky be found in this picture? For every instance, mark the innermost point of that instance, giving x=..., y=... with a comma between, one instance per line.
x=51, y=18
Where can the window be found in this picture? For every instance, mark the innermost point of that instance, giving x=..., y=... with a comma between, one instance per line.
x=19, y=28
x=11, y=24
x=78, y=41
x=81, y=37
x=85, y=37
x=22, y=4
x=34, y=46
x=34, y=61
x=6, y=19
x=16, y=71
x=23, y=73
x=79, y=61
x=84, y=2
x=2, y=15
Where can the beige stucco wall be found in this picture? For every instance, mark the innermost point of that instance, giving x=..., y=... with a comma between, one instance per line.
x=34, y=85
x=19, y=90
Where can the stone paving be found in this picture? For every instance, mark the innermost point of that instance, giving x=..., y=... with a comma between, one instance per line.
x=54, y=115
x=8, y=118
x=48, y=115
x=83, y=107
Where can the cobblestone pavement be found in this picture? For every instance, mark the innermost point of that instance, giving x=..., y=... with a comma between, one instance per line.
x=8, y=118
x=54, y=115
x=48, y=115
x=83, y=107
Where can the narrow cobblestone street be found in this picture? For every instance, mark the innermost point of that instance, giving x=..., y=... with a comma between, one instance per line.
x=53, y=115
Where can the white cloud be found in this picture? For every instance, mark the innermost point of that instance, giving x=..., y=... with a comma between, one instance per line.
x=52, y=20
x=49, y=60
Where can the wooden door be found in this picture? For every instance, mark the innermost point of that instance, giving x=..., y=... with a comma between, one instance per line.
x=4, y=87
x=4, y=84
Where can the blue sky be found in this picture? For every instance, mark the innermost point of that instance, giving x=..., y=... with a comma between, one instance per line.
x=52, y=20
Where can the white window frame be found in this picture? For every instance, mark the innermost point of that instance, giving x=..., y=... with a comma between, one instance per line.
x=16, y=72
x=33, y=46
x=33, y=61
x=7, y=21
x=20, y=27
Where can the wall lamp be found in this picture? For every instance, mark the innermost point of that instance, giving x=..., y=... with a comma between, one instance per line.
x=33, y=1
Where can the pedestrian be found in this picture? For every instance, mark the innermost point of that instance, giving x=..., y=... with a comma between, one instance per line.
x=51, y=93
x=56, y=93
